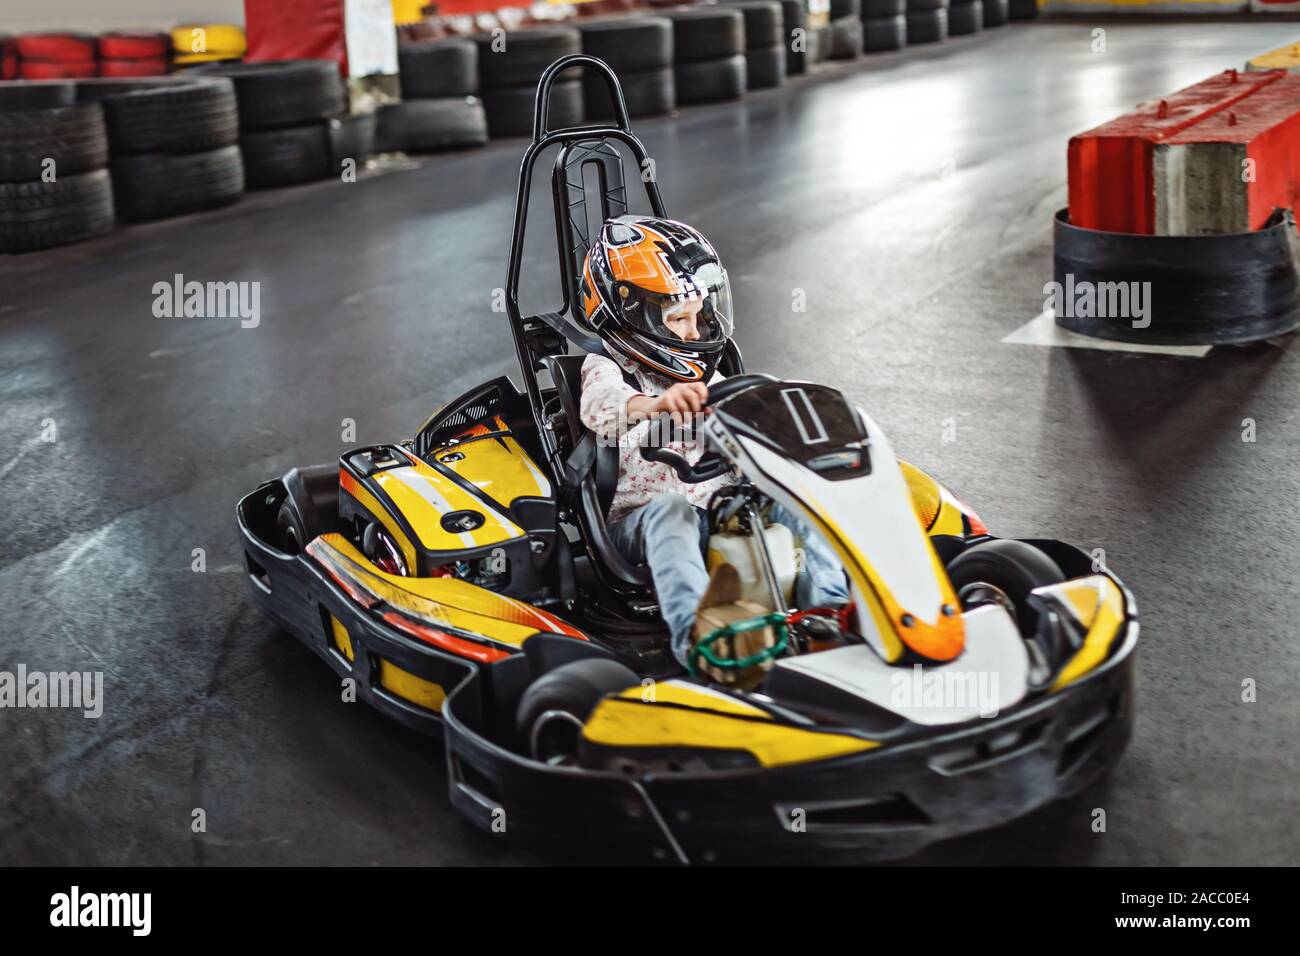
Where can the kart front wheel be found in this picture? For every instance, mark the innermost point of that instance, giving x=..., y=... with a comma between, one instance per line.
x=553, y=709
x=290, y=532
x=1003, y=572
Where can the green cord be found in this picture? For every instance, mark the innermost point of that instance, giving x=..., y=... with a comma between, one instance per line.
x=703, y=646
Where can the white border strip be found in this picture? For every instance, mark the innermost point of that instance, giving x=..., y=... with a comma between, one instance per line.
x=1043, y=330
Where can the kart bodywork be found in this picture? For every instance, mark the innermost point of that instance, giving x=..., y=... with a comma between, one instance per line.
x=448, y=573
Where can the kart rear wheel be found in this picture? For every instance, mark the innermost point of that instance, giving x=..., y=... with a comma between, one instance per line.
x=553, y=709
x=1003, y=572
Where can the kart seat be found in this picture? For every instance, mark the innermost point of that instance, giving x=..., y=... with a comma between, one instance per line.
x=595, y=492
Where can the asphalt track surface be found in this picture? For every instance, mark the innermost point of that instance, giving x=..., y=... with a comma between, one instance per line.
x=909, y=196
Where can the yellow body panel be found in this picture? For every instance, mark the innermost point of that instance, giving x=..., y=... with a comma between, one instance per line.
x=372, y=507
x=447, y=601
x=342, y=639
x=691, y=695
x=1098, y=605
x=1283, y=58
x=937, y=509
x=423, y=495
x=627, y=721
x=498, y=466
x=404, y=684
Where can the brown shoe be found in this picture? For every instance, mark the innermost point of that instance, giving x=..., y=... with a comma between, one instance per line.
x=720, y=606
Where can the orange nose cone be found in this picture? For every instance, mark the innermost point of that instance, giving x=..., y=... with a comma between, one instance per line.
x=940, y=641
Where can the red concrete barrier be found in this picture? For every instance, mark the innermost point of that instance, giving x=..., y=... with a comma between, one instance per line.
x=1111, y=168
x=1230, y=171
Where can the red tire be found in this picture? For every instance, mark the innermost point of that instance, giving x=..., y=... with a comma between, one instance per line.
x=156, y=66
x=134, y=46
x=55, y=70
x=61, y=47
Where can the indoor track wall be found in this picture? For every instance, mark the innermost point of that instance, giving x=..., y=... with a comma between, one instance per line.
x=20, y=16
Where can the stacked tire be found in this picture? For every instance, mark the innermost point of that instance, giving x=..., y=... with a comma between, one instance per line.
x=846, y=30
x=927, y=21
x=965, y=17
x=54, y=185
x=134, y=54
x=996, y=13
x=173, y=143
x=440, y=108
x=8, y=57
x=509, y=66
x=286, y=109
x=198, y=43
x=640, y=51
x=764, y=42
x=884, y=25
x=708, y=54
x=54, y=56
x=795, y=39
x=1023, y=9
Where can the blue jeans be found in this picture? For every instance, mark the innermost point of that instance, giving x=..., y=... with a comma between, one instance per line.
x=670, y=536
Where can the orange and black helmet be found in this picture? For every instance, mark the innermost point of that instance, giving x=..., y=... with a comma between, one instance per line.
x=655, y=291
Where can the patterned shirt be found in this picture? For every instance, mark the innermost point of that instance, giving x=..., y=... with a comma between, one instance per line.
x=603, y=409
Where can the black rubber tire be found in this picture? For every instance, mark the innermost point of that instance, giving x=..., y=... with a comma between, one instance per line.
x=38, y=215
x=820, y=42
x=764, y=68
x=351, y=137
x=764, y=22
x=965, y=18
x=1023, y=9
x=526, y=54
x=996, y=13
x=927, y=26
x=631, y=45
x=646, y=94
x=36, y=94
x=889, y=33
x=846, y=8
x=510, y=111
x=438, y=68
x=1013, y=567
x=709, y=81
x=794, y=16
x=708, y=33
x=917, y=6
x=574, y=688
x=284, y=92
x=72, y=136
x=274, y=158
x=159, y=185
x=423, y=126
x=846, y=39
x=165, y=114
x=880, y=9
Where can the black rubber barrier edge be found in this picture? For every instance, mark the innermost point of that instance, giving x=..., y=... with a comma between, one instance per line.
x=1204, y=290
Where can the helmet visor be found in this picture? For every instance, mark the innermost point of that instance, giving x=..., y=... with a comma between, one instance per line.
x=699, y=316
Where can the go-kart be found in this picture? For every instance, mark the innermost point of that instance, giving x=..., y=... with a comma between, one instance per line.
x=466, y=581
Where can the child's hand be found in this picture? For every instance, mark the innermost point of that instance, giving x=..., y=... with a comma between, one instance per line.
x=682, y=401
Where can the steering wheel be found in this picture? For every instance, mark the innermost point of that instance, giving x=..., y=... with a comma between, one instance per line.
x=710, y=465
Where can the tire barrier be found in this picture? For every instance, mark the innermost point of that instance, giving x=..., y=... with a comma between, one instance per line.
x=794, y=18
x=44, y=131
x=996, y=13
x=352, y=138
x=285, y=109
x=927, y=21
x=172, y=141
x=429, y=125
x=846, y=38
x=709, y=53
x=1196, y=290
x=1023, y=9
x=208, y=42
x=509, y=66
x=885, y=33
x=8, y=57
x=440, y=108
x=965, y=17
x=765, y=52
x=640, y=50
x=134, y=54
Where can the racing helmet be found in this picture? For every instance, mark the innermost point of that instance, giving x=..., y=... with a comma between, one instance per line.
x=654, y=290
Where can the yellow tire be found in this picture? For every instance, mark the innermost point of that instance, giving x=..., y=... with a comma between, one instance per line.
x=199, y=39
